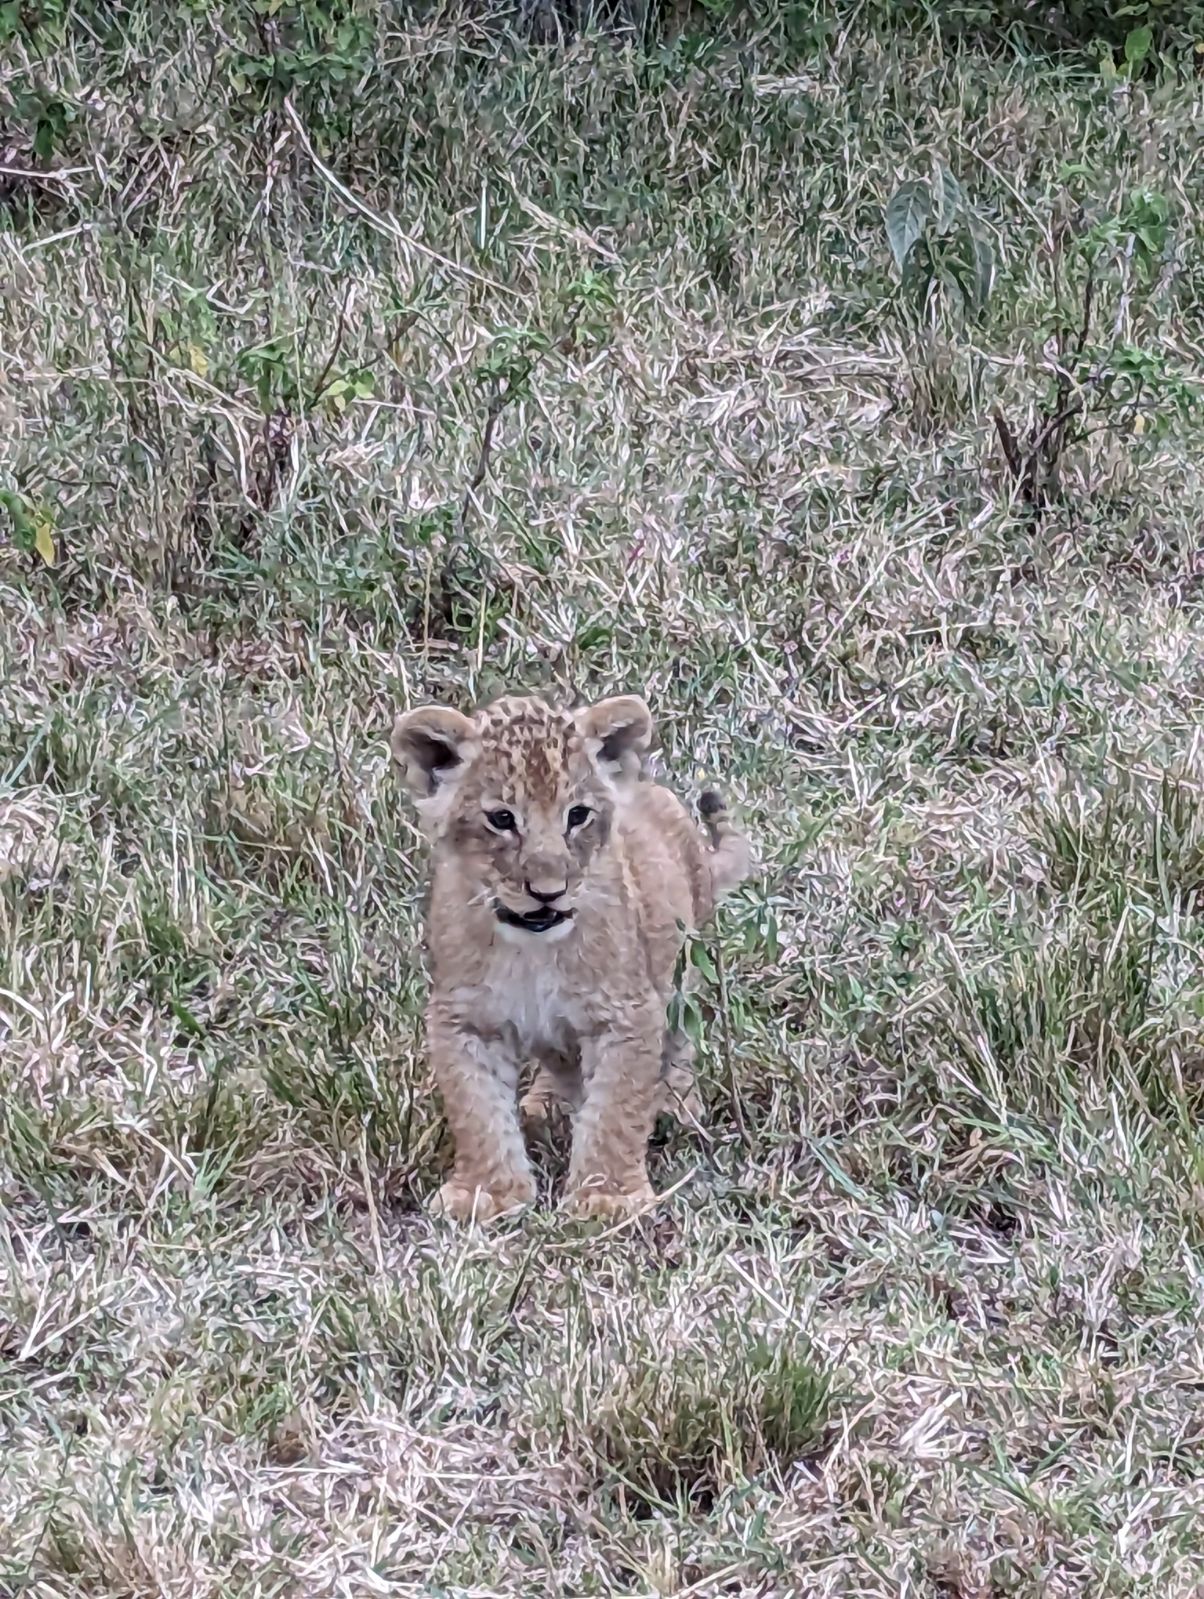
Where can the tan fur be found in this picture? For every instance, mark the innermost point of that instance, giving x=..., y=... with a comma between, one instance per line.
x=586, y=998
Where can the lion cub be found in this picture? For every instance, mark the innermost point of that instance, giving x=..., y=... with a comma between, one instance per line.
x=562, y=882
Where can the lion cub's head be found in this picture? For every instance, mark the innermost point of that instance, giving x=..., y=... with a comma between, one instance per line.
x=522, y=796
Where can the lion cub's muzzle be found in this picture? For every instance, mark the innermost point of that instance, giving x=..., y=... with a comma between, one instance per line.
x=548, y=885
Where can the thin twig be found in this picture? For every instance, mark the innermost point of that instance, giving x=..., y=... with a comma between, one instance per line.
x=1007, y=442
x=497, y=404
x=1068, y=412
x=51, y=175
x=340, y=329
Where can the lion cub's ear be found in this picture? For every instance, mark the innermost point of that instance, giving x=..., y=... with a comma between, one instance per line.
x=430, y=746
x=617, y=733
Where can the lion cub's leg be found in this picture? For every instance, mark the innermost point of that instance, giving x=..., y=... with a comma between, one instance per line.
x=478, y=1079
x=621, y=1069
x=557, y=1082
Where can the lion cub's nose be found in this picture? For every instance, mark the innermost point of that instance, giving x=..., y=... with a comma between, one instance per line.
x=545, y=892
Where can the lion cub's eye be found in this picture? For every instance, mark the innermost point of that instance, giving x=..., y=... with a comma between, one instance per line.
x=501, y=821
x=578, y=816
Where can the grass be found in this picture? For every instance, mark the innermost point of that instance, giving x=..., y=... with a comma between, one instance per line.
x=586, y=367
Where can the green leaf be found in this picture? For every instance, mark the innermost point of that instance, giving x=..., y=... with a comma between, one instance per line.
x=53, y=119
x=19, y=515
x=907, y=214
x=982, y=269
x=43, y=537
x=1137, y=44
x=762, y=938
x=43, y=139
x=684, y=1015
x=950, y=201
x=700, y=957
x=185, y=1017
x=33, y=525
x=593, y=636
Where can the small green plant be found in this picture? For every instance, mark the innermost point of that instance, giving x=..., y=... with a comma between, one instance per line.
x=32, y=525
x=1138, y=233
x=34, y=21
x=311, y=48
x=51, y=123
x=1092, y=377
x=1142, y=46
x=1138, y=43
x=939, y=244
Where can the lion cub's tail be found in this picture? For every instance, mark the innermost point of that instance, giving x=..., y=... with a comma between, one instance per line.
x=731, y=852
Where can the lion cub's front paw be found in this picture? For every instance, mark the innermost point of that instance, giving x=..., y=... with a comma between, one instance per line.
x=458, y=1202
x=606, y=1204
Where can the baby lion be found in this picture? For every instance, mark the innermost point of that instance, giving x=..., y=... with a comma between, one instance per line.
x=562, y=883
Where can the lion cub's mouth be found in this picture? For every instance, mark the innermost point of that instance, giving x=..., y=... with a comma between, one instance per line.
x=537, y=921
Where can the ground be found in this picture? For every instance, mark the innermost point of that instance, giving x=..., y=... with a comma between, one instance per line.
x=329, y=388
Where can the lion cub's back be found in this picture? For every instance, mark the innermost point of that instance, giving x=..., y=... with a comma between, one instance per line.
x=668, y=854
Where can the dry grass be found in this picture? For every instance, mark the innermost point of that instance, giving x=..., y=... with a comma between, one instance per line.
x=586, y=368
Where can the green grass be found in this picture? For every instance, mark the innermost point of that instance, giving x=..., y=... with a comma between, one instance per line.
x=376, y=359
